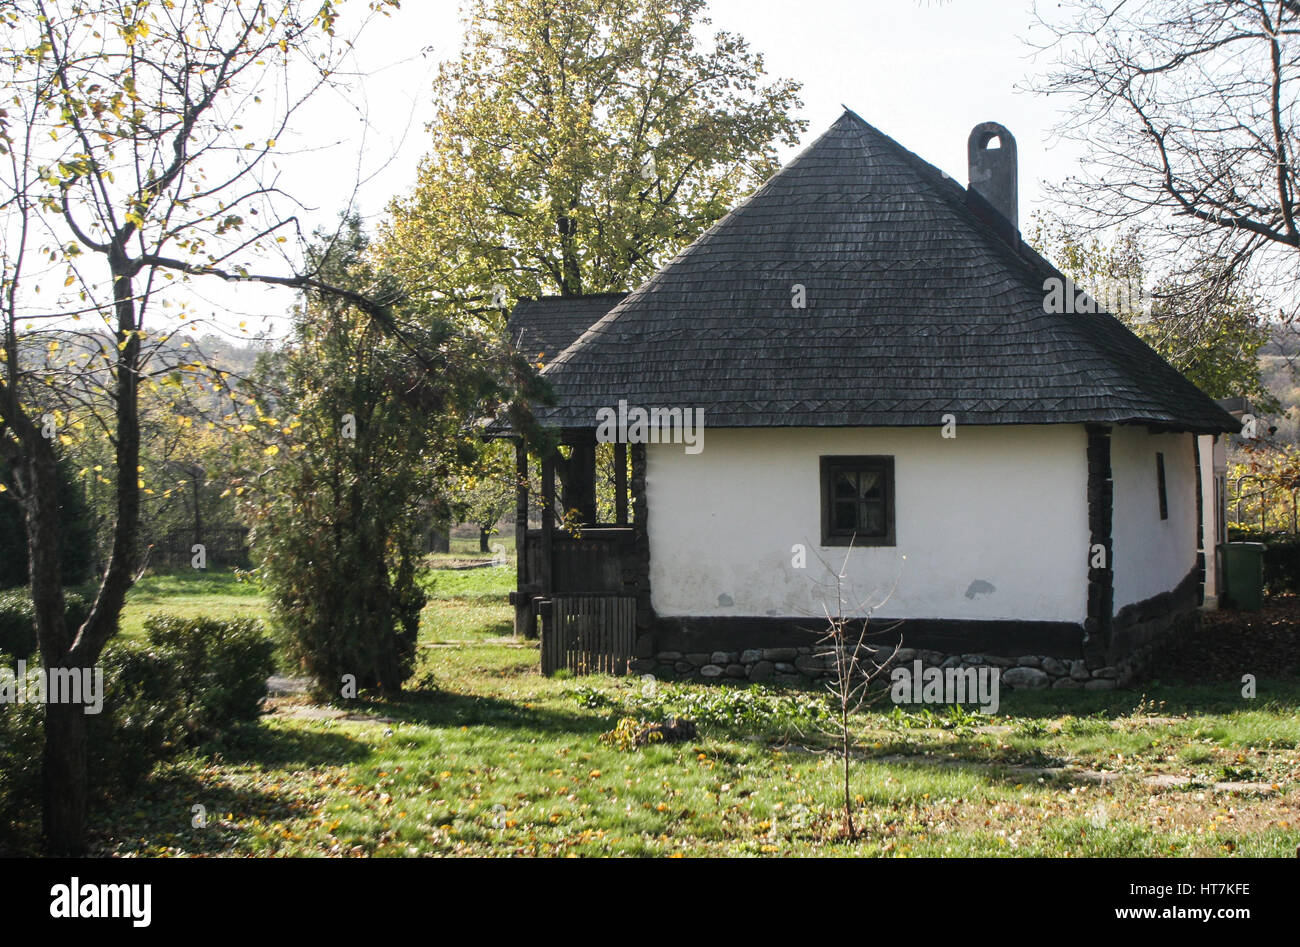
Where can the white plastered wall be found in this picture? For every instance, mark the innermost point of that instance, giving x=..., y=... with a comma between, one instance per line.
x=1151, y=555
x=993, y=523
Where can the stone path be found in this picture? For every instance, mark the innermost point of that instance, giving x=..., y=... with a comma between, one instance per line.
x=316, y=712
x=280, y=685
x=1056, y=726
x=1100, y=777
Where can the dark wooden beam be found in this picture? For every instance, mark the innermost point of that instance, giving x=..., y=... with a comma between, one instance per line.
x=525, y=623
x=1101, y=581
x=640, y=563
x=548, y=523
x=1200, y=522
x=1006, y=638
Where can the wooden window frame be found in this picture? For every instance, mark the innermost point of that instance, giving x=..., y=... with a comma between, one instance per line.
x=1160, y=485
x=828, y=465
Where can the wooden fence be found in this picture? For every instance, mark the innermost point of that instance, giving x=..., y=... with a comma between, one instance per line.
x=588, y=634
x=223, y=546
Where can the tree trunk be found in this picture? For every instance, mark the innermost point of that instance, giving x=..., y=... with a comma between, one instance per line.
x=63, y=771
x=483, y=535
x=198, y=512
x=64, y=779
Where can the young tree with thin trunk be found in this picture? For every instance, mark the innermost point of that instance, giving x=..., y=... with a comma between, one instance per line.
x=135, y=146
x=854, y=664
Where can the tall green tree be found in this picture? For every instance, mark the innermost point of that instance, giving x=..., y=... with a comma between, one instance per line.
x=578, y=143
x=1209, y=324
x=361, y=429
x=133, y=139
x=485, y=492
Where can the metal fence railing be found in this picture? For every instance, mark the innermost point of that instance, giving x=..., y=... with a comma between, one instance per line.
x=1271, y=507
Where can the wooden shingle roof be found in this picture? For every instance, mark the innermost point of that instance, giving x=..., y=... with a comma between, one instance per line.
x=915, y=308
x=543, y=328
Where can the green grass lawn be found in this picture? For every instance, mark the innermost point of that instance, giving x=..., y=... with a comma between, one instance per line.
x=462, y=549
x=485, y=756
x=207, y=593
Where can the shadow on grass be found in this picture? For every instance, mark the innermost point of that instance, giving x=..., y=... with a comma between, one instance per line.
x=1160, y=699
x=442, y=709
x=159, y=810
x=295, y=747
x=162, y=812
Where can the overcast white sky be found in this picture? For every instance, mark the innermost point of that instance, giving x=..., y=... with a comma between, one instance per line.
x=923, y=71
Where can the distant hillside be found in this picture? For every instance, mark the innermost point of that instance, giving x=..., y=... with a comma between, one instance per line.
x=232, y=355
x=1279, y=362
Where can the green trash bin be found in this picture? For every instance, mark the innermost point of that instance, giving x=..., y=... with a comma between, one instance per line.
x=1243, y=568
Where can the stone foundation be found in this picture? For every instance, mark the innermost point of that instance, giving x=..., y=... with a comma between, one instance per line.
x=810, y=665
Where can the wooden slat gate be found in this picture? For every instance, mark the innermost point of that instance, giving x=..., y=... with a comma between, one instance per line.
x=588, y=634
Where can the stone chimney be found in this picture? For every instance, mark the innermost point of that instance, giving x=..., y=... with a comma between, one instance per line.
x=991, y=158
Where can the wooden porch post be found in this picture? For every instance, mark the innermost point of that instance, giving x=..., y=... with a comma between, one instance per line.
x=548, y=522
x=641, y=538
x=1101, y=582
x=525, y=624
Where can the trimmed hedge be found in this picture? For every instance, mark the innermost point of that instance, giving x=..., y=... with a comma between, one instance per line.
x=18, y=619
x=224, y=667
x=1281, y=564
x=194, y=679
x=21, y=743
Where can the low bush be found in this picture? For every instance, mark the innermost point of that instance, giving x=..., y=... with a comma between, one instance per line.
x=192, y=681
x=1281, y=557
x=1282, y=564
x=632, y=734
x=223, y=668
x=18, y=619
x=21, y=740
x=142, y=721
x=138, y=725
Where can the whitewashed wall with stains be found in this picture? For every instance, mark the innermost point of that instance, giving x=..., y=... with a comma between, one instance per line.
x=993, y=524
x=1151, y=555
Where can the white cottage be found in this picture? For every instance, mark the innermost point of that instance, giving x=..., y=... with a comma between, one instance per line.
x=871, y=347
